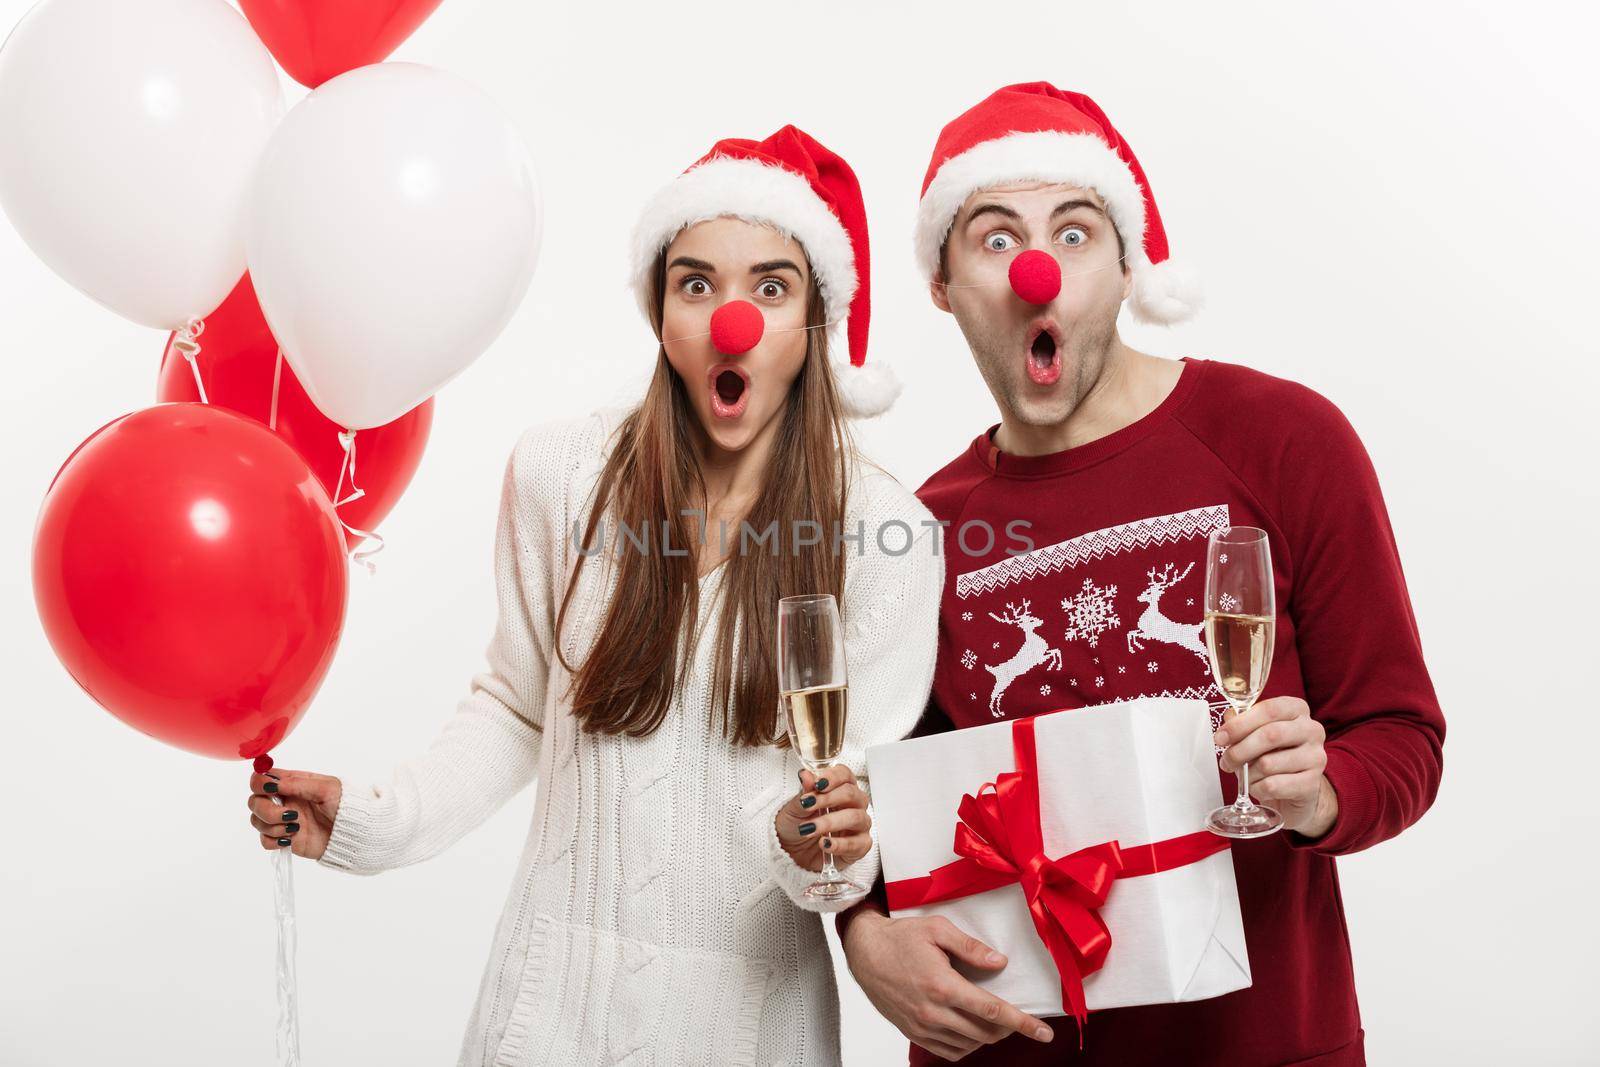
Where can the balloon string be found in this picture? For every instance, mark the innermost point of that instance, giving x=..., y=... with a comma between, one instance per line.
x=347, y=440
x=1007, y=281
x=288, y=1034
x=189, y=348
x=786, y=329
x=277, y=374
x=288, y=1037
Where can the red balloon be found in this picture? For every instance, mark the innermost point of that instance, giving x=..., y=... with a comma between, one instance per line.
x=237, y=358
x=315, y=40
x=190, y=574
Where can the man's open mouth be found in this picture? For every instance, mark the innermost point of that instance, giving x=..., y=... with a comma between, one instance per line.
x=1044, y=354
x=730, y=391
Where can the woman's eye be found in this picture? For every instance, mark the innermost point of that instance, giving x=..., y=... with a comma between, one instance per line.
x=1073, y=236
x=771, y=289
x=694, y=286
x=999, y=242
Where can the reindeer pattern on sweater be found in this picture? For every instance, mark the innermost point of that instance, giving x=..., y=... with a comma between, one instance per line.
x=1112, y=614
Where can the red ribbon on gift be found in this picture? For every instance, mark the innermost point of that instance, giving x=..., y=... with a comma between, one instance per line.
x=1000, y=843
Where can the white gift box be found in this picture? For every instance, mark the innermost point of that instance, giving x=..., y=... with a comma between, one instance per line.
x=1136, y=772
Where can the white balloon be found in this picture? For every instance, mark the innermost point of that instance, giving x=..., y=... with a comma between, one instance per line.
x=129, y=134
x=393, y=231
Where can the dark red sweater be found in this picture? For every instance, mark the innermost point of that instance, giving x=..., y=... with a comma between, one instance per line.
x=1116, y=578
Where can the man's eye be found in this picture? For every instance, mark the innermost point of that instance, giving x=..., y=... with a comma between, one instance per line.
x=1073, y=236
x=999, y=242
x=694, y=286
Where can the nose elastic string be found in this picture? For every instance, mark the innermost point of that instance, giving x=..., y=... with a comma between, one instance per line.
x=712, y=333
x=732, y=328
x=1034, y=279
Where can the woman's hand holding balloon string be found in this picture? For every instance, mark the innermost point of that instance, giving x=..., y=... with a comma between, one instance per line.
x=294, y=809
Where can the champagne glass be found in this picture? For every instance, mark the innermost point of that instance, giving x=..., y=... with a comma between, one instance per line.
x=811, y=683
x=1240, y=622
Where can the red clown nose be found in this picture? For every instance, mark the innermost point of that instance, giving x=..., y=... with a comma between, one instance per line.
x=736, y=327
x=1036, y=276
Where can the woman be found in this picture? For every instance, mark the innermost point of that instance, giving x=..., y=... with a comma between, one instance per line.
x=659, y=908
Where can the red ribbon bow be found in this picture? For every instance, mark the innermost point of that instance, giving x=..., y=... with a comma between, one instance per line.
x=1000, y=843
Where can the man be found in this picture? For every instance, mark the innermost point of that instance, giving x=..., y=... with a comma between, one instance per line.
x=1036, y=224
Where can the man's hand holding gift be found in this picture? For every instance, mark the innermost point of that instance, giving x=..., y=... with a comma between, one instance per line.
x=1284, y=746
x=905, y=968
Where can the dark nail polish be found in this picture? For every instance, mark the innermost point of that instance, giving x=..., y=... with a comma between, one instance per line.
x=827, y=842
x=271, y=787
x=283, y=842
x=808, y=828
x=291, y=816
x=290, y=828
x=807, y=801
x=822, y=784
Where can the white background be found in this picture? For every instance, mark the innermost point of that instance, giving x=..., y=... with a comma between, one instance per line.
x=1393, y=206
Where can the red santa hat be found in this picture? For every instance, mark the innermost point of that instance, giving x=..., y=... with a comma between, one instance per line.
x=791, y=182
x=1035, y=132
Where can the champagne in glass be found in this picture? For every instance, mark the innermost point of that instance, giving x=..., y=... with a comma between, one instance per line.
x=1241, y=647
x=811, y=681
x=816, y=722
x=1240, y=623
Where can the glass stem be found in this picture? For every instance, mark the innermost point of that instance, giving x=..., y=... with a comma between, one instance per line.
x=830, y=873
x=1244, y=803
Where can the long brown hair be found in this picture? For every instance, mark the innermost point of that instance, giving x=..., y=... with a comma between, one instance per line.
x=626, y=682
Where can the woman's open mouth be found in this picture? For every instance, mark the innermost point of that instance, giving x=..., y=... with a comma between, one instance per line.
x=730, y=390
x=1044, y=354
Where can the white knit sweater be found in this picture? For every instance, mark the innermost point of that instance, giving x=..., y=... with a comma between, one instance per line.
x=653, y=917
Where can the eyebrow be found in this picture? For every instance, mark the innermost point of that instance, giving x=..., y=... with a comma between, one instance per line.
x=1011, y=215
x=777, y=264
x=993, y=209
x=692, y=264
x=1072, y=205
